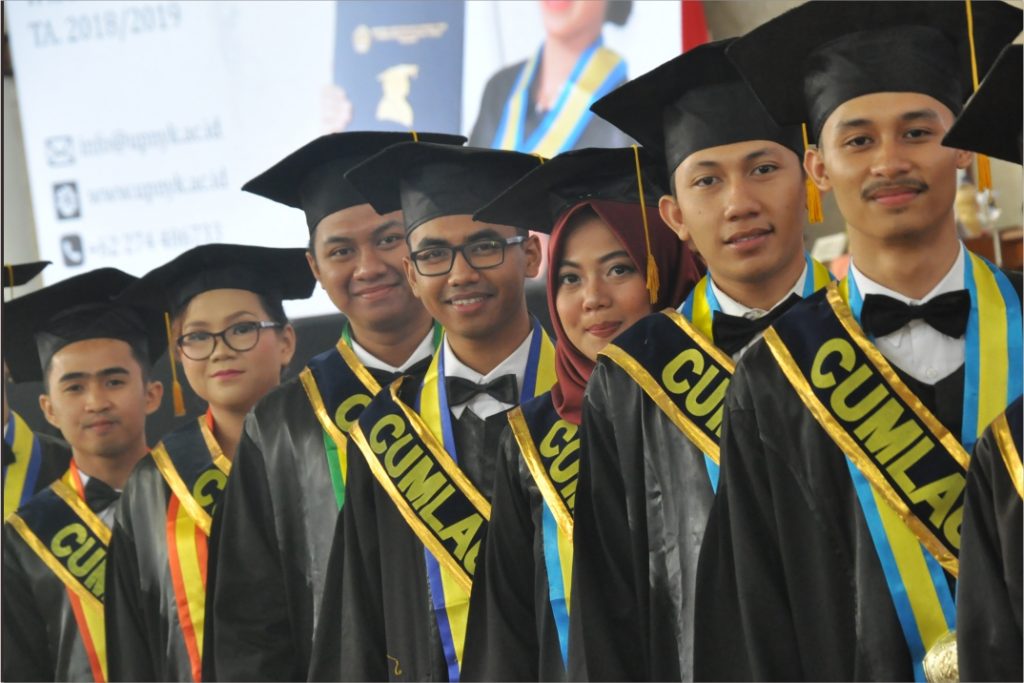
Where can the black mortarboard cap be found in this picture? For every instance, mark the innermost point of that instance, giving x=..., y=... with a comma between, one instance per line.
x=18, y=274
x=692, y=102
x=990, y=122
x=312, y=177
x=427, y=181
x=808, y=61
x=41, y=323
x=539, y=198
x=276, y=273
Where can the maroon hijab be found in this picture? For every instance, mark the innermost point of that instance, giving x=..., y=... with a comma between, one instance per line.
x=678, y=272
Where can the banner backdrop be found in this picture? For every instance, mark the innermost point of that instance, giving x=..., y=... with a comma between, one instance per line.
x=142, y=120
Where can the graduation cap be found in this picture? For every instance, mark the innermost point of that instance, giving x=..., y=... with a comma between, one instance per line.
x=312, y=177
x=537, y=200
x=990, y=122
x=692, y=102
x=18, y=274
x=275, y=273
x=808, y=61
x=80, y=308
x=427, y=181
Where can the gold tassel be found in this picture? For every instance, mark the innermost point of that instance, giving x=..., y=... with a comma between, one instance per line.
x=176, y=392
x=814, y=210
x=415, y=137
x=984, y=173
x=653, y=277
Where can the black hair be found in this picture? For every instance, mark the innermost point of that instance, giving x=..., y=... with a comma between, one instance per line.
x=274, y=308
x=140, y=354
x=618, y=11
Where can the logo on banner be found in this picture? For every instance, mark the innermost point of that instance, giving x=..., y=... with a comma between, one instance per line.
x=67, y=201
x=395, y=84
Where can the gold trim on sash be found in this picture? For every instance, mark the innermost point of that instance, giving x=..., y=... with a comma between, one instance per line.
x=44, y=554
x=1008, y=449
x=69, y=496
x=358, y=368
x=317, y=402
x=657, y=393
x=164, y=463
x=942, y=435
x=435, y=546
x=441, y=456
x=853, y=451
x=521, y=431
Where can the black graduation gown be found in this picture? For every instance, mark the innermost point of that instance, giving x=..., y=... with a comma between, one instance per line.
x=41, y=640
x=790, y=586
x=144, y=630
x=388, y=629
x=635, y=549
x=270, y=543
x=597, y=133
x=989, y=633
x=511, y=635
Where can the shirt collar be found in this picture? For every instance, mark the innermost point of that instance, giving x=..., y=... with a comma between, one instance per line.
x=514, y=364
x=424, y=350
x=951, y=282
x=730, y=306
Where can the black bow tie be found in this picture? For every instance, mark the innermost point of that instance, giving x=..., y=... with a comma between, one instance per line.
x=504, y=389
x=99, y=496
x=947, y=313
x=733, y=332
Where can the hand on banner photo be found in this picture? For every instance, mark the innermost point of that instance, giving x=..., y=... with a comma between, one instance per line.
x=335, y=109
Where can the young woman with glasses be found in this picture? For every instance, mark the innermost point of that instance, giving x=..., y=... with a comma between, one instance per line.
x=228, y=328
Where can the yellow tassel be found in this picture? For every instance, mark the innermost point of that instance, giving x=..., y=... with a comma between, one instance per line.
x=814, y=212
x=984, y=173
x=653, y=277
x=415, y=137
x=176, y=392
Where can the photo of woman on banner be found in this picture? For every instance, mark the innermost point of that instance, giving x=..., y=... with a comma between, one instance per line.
x=542, y=105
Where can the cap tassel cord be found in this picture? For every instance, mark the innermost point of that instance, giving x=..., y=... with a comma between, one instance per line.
x=984, y=165
x=653, y=277
x=179, y=397
x=415, y=136
x=814, y=210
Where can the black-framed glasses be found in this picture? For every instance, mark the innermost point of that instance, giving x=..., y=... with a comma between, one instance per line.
x=480, y=254
x=239, y=337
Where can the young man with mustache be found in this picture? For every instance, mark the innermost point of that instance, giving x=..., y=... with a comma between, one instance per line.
x=274, y=524
x=831, y=550
x=422, y=456
x=93, y=358
x=653, y=404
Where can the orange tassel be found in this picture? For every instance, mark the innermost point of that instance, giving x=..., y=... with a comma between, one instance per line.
x=814, y=211
x=984, y=173
x=653, y=277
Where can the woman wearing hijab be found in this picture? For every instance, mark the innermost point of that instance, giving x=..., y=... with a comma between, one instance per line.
x=613, y=262
x=234, y=340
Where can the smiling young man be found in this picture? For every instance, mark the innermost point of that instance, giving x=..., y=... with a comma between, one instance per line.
x=653, y=406
x=422, y=456
x=93, y=358
x=31, y=461
x=831, y=550
x=274, y=525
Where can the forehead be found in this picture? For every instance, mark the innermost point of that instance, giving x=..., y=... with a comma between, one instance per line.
x=216, y=304
x=455, y=230
x=355, y=223
x=885, y=108
x=92, y=355
x=590, y=236
x=735, y=153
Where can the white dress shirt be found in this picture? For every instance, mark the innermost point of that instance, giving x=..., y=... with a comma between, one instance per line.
x=730, y=306
x=484, y=405
x=917, y=348
x=424, y=350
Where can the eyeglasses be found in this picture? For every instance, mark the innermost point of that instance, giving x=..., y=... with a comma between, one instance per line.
x=239, y=337
x=479, y=254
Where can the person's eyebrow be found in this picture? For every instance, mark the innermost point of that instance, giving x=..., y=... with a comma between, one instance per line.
x=853, y=123
x=612, y=255
x=193, y=324
x=920, y=115
x=389, y=225
x=337, y=239
x=79, y=376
